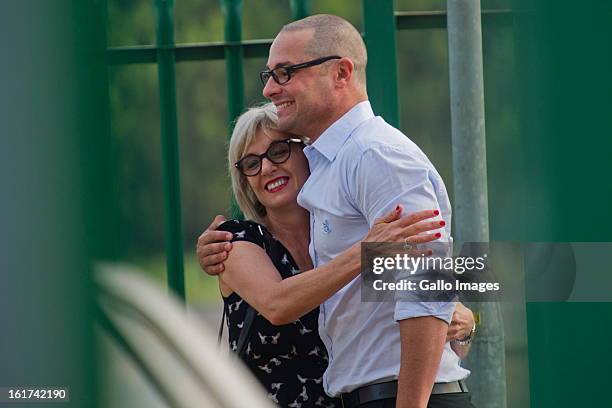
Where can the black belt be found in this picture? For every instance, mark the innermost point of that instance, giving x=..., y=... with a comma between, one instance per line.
x=387, y=390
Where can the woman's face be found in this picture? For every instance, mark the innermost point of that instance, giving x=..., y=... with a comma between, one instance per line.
x=277, y=185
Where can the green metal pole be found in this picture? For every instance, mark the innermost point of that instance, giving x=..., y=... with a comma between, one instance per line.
x=169, y=142
x=232, y=15
x=54, y=161
x=300, y=9
x=487, y=357
x=379, y=28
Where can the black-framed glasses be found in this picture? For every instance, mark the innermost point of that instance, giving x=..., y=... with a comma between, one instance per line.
x=278, y=152
x=282, y=75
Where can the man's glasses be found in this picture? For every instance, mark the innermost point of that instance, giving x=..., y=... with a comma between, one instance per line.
x=278, y=152
x=282, y=75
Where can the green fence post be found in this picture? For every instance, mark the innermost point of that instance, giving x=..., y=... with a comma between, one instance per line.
x=169, y=143
x=54, y=199
x=487, y=357
x=232, y=16
x=379, y=29
x=300, y=9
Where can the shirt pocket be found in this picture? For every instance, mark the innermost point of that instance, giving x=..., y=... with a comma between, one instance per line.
x=335, y=231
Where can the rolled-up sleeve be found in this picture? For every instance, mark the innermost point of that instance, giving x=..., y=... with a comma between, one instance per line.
x=386, y=177
x=408, y=310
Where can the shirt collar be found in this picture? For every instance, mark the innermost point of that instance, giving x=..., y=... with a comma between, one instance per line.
x=334, y=137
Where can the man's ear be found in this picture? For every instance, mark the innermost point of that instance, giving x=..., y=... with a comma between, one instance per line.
x=345, y=71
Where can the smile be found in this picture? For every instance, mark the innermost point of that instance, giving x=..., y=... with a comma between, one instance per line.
x=277, y=184
x=284, y=105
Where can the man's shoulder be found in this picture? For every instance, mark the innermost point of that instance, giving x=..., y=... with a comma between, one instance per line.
x=376, y=135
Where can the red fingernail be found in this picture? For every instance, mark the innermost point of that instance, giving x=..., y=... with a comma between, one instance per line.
x=438, y=235
x=436, y=212
x=442, y=223
x=397, y=208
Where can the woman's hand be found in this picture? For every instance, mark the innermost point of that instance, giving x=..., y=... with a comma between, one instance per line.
x=410, y=229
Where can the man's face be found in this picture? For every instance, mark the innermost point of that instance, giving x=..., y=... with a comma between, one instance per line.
x=302, y=103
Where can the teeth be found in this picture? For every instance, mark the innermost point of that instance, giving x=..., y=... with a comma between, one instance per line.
x=276, y=184
x=284, y=104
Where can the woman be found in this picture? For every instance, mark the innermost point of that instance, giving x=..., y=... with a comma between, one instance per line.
x=269, y=267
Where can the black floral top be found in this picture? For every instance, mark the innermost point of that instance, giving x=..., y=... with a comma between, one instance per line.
x=288, y=360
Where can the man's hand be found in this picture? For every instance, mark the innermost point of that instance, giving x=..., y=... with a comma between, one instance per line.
x=461, y=324
x=213, y=248
x=460, y=328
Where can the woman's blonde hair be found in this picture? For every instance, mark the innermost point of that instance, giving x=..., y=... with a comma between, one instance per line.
x=247, y=126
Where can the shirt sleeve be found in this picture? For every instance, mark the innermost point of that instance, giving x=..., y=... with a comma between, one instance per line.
x=385, y=177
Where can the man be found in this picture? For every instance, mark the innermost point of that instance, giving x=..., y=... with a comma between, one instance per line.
x=361, y=168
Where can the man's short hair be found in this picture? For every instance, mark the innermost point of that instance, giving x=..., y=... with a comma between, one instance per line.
x=334, y=35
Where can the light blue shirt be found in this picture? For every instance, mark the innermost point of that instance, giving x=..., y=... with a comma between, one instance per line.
x=360, y=169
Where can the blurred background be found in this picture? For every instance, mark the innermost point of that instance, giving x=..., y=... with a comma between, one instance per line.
x=203, y=115
x=81, y=171
x=202, y=127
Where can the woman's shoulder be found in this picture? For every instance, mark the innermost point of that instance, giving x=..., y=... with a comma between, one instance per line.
x=236, y=224
x=245, y=230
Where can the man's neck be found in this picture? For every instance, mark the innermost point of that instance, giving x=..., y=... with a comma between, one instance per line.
x=337, y=114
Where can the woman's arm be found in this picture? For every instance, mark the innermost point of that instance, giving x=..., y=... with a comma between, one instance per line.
x=250, y=272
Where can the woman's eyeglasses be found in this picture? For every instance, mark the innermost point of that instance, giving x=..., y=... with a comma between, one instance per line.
x=278, y=152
